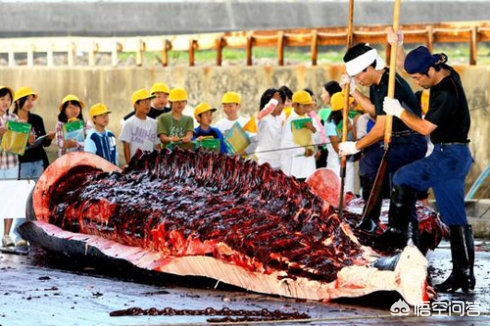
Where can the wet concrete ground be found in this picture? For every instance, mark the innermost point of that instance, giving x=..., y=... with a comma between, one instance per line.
x=47, y=289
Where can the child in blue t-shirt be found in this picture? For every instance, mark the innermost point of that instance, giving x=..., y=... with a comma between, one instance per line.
x=99, y=140
x=204, y=115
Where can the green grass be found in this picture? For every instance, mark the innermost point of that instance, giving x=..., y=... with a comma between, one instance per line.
x=457, y=53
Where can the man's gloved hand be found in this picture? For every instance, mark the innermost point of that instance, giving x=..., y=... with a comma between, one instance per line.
x=392, y=106
x=393, y=37
x=346, y=79
x=348, y=148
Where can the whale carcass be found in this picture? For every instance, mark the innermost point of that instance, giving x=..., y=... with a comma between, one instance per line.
x=205, y=214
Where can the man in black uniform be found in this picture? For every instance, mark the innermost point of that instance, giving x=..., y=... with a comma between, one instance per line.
x=365, y=67
x=447, y=122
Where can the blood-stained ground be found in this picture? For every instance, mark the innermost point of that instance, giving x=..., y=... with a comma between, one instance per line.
x=47, y=289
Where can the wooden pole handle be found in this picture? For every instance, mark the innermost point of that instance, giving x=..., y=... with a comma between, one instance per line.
x=345, y=111
x=391, y=80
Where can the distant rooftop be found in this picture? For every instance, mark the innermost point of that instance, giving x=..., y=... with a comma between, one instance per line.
x=23, y=18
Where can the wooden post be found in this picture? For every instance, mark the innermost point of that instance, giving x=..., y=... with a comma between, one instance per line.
x=280, y=48
x=167, y=46
x=430, y=38
x=220, y=44
x=474, y=46
x=192, y=47
x=140, y=53
x=314, y=47
x=249, y=49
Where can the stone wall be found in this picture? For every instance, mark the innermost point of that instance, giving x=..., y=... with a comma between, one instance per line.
x=113, y=86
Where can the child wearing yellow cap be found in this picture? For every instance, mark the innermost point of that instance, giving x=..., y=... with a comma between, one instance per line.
x=230, y=102
x=70, y=110
x=297, y=149
x=204, y=116
x=174, y=126
x=139, y=132
x=158, y=104
x=333, y=130
x=99, y=140
x=35, y=159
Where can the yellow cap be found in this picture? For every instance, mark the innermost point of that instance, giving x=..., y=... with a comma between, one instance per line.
x=302, y=97
x=231, y=97
x=68, y=98
x=203, y=107
x=337, y=101
x=177, y=94
x=98, y=109
x=23, y=92
x=159, y=87
x=9, y=89
x=140, y=94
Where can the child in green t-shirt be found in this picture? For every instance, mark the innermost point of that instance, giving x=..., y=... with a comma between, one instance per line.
x=174, y=127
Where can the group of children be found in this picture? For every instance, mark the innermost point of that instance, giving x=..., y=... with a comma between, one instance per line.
x=32, y=159
x=287, y=133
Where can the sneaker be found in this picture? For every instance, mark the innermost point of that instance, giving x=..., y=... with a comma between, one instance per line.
x=7, y=242
x=21, y=243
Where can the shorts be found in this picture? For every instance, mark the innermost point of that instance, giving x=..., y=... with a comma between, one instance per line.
x=11, y=173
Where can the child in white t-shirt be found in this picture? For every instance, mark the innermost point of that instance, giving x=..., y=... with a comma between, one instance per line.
x=231, y=102
x=139, y=131
x=231, y=105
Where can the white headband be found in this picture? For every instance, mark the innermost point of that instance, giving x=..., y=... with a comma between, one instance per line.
x=363, y=61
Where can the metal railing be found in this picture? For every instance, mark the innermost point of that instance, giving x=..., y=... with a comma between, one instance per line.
x=470, y=33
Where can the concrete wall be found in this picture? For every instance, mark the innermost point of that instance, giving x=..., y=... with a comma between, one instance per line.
x=113, y=86
x=110, y=18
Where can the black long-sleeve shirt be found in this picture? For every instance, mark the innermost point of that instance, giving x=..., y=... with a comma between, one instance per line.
x=36, y=152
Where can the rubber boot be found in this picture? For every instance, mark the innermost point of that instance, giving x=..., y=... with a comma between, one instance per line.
x=470, y=244
x=399, y=231
x=369, y=221
x=463, y=256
